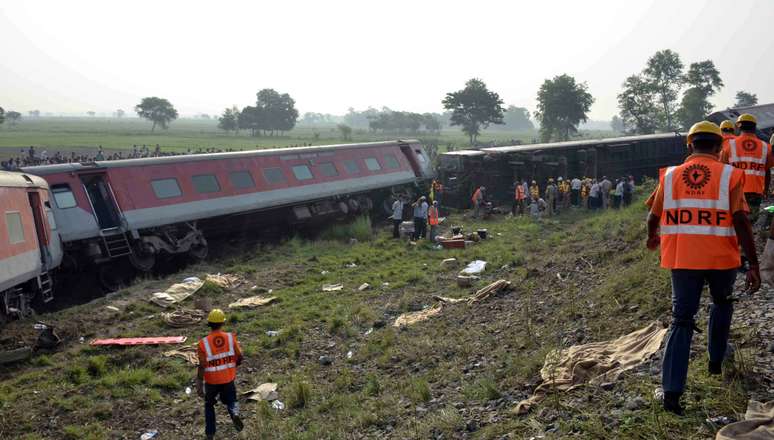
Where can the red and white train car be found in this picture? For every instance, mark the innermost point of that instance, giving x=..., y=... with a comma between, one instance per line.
x=29, y=243
x=140, y=208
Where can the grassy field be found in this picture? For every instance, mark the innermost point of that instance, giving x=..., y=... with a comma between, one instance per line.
x=79, y=134
x=457, y=375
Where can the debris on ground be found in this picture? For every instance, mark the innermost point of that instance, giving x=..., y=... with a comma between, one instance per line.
x=182, y=317
x=364, y=286
x=475, y=267
x=149, y=435
x=180, y=291
x=490, y=290
x=332, y=287
x=47, y=339
x=278, y=405
x=452, y=243
x=466, y=281
x=20, y=354
x=272, y=333
x=758, y=423
x=157, y=340
x=350, y=265
x=448, y=300
x=113, y=308
x=188, y=354
x=410, y=318
x=449, y=262
x=253, y=301
x=325, y=360
x=264, y=391
x=595, y=363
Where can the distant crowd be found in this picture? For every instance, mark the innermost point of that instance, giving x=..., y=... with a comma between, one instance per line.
x=32, y=156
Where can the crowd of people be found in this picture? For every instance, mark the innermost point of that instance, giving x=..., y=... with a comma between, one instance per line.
x=32, y=157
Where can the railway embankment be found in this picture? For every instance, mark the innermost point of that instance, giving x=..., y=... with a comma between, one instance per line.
x=344, y=371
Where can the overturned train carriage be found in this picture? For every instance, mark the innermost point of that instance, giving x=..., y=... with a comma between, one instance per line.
x=498, y=167
x=139, y=209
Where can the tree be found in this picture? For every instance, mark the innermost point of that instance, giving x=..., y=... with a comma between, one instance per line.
x=157, y=110
x=617, y=124
x=638, y=107
x=120, y=113
x=253, y=119
x=745, y=99
x=2, y=115
x=34, y=113
x=474, y=108
x=704, y=80
x=346, y=131
x=91, y=113
x=431, y=122
x=517, y=119
x=229, y=121
x=279, y=110
x=664, y=72
x=562, y=105
x=13, y=117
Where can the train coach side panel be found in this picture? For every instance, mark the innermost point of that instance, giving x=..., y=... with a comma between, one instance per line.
x=74, y=222
x=142, y=208
x=19, y=249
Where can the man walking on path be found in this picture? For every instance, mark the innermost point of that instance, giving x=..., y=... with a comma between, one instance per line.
x=698, y=217
x=219, y=354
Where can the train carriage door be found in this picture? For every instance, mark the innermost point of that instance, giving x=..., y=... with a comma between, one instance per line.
x=40, y=229
x=101, y=198
x=410, y=155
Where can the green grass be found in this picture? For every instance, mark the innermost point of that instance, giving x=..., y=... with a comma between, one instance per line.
x=467, y=358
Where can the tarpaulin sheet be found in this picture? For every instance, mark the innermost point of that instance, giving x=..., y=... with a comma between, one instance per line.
x=758, y=424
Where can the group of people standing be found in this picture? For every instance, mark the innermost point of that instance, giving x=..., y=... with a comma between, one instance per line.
x=424, y=214
x=563, y=193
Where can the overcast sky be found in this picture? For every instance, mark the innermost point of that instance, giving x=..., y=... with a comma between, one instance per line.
x=76, y=56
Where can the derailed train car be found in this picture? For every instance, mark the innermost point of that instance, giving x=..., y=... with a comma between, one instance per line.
x=763, y=113
x=498, y=167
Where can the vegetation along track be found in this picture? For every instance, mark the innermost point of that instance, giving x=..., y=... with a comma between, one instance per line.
x=577, y=278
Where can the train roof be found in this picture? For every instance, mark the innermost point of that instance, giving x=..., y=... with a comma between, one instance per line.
x=579, y=143
x=67, y=167
x=763, y=113
x=20, y=180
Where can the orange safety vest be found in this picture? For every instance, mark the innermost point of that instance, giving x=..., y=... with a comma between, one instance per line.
x=219, y=349
x=750, y=154
x=697, y=230
x=476, y=195
x=432, y=216
x=534, y=191
x=520, y=192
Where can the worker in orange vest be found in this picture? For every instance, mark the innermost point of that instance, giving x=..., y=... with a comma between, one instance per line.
x=698, y=216
x=752, y=155
x=727, y=127
x=478, y=200
x=519, y=196
x=219, y=355
x=432, y=220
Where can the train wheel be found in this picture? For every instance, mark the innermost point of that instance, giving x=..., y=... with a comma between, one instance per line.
x=115, y=275
x=142, y=261
x=198, y=252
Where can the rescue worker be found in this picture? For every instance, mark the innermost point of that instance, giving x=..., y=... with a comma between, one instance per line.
x=219, y=355
x=397, y=217
x=752, y=155
x=478, y=200
x=727, y=127
x=698, y=216
x=575, y=187
x=432, y=220
x=519, y=197
x=551, y=195
x=420, y=218
x=564, y=192
x=605, y=186
x=584, y=192
x=534, y=190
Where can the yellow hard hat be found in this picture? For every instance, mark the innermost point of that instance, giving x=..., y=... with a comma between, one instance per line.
x=704, y=127
x=216, y=316
x=727, y=125
x=746, y=117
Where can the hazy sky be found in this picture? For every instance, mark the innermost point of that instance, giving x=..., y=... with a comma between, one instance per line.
x=76, y=56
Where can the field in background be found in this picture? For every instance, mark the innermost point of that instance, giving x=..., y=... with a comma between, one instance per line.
x=84, y=134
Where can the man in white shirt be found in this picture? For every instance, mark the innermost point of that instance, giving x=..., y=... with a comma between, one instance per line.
x=575, y=187
x=397, y=217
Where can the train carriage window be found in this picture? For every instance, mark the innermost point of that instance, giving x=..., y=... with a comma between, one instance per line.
x=63, y=196
x=302, y=172
x=328, y=169
x=420, y=156
x=391, y=162
x=372, y=164
x=274, y=175
x=13, y=222
x=241, y=179
x=351, y=166
x=166, y=188
x=205, y=183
